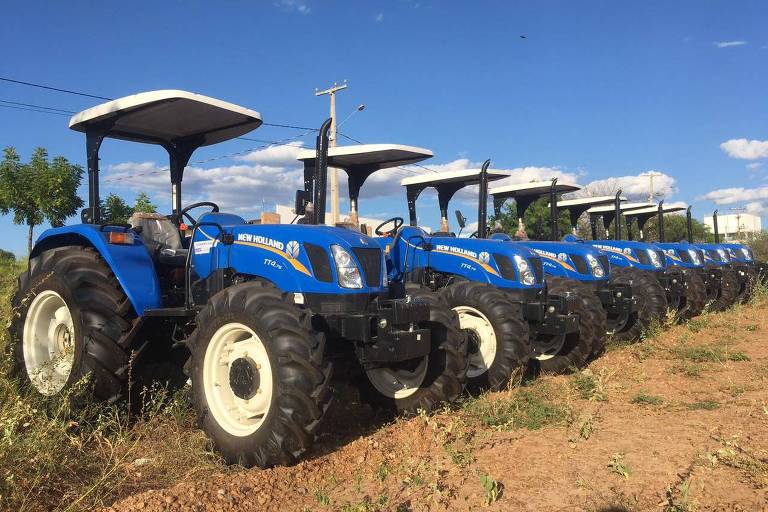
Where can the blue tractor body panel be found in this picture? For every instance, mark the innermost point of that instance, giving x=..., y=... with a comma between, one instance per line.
x=278, y=253
x=715, y=254
x=678, y=253
x=480, y=260
x=565, y=259
x=624, y=253
x=740, y=253
x=131, y=264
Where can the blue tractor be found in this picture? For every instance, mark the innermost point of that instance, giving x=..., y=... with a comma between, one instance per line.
x=738, y=258
x=497, y=289
x=257, y=310
x=700, y=286
x=570, y=265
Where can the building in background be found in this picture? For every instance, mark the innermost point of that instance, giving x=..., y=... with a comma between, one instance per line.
x=287, y=215
x=734, y=226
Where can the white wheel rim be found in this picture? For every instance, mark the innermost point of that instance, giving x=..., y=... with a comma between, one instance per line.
x=237, y=346
x=398, y=383
x=48, y=342
x=479, y=325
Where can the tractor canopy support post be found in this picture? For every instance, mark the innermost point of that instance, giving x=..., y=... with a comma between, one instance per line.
x=617, y=215
x=593, y=225
x=412, y=193
x=179, y=154
x=689, y=224
x=553, y=214
x=321, y=172
x=714, y=225
x=630, y=234
x=93, y=140
x=498, y=202
x=662, y=234
x=356, y=176
x=482, y=211
x=445, y=193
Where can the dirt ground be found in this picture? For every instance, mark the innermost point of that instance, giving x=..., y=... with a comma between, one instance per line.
x=677, y=423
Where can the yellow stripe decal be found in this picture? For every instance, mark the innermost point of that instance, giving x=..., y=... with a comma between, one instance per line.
x=470, y=258
x=296, y=263
x=618, y=251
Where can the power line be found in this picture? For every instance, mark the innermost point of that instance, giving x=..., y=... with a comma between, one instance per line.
x=34, y=110
x=41, y=86
x=37, y=106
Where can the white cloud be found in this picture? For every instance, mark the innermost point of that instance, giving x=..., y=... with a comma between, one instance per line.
x=729, y=44
x=757, y=208
x=379, y=17
x=755, y=166
x=746, y=149
x=633, y=187
x=736, y=195
x=293, y=6
x=275, y=155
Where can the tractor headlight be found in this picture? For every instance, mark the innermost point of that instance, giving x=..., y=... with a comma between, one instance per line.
x=595, y=266
x=654, y=258
x=526, y=274
x=747, y=255
x=349, y=274
x=694, y=257
x=723, y=255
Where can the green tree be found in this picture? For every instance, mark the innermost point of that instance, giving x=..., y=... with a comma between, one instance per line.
x=759, y=244
x=143, y=204
x=7, y=256
x=536, y=220
x=676, y=229
x=115, y=210
x=39, y=190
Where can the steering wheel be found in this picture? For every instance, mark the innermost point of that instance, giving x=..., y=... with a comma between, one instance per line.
x=398, y=221
x=192, y=222
x=473, y=235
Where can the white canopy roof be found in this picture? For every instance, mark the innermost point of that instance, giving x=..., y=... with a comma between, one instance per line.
x=594, y=201
x=533, y=188
x=623, y=207
x=466, y=176
x=157, y=117
x=655, y=209
x=370, y=156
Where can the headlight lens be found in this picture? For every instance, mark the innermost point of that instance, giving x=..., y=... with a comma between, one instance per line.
x=597, y=268
x=526, y=274
x=746, y=254
x=654, y=258
x=723, y=255
x=694, y=257
x=349, y=274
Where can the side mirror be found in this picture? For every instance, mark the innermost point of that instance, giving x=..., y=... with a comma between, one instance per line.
x=462, y=220
x=300, y=206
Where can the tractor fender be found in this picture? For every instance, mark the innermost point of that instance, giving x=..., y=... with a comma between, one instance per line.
x=131, y=264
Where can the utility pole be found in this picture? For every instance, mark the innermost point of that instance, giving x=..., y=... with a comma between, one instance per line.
x=738, y=221
x=651, y=175
x=331, y=91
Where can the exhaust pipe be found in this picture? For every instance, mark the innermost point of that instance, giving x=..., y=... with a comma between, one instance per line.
x=482, y=210
x=553, y=211
x=689, y=224
x=662, y=235
x=617, y=215
x=321, y=172
x=714, y=224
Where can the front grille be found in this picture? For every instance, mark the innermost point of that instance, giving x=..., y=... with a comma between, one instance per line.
x=537, y=269
x=370, y=260
x=662, y=256
x=642, y=257
x=320, y=260
x=505, y=267
x=713, y=254
x=581, y=264
x=684, y=256
x=603, y=259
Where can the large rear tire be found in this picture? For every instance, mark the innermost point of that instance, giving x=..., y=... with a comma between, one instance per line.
x=71, y=319
x=651, y=302
x=748, y=287
x=260, y=383
x=578, y=347
x=422, y=384
x=695, y=294
x=498, y=335
x=729, y=291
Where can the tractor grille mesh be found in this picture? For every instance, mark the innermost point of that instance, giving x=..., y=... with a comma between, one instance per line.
x=603, y=259
x=505, y=267
x=581, y=263
x=642, y=257
x=537, y=269
x=684, y=256
x=370, y=260
x=713, y=254
x=321, y=263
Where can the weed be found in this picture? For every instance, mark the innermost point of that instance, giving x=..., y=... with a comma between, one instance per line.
x=643, y=398
x=531, y=407
x=382, y=472
x=618, y=466
x=751, y=327
x=707, y=405
x=491, y=487
x=688, y=369
x=654, y=328
x=698, y=323
x=589, y=386
x=708, y=354
x=643, y=351
x=322, y=498
x=680, y=501
x=586, y=427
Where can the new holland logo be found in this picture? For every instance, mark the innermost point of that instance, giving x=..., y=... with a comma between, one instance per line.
x=484, y=257
x=562, y=256
x=292, y=248
x=628, y=251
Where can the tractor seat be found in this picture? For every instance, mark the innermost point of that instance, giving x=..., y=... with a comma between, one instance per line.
x=161, y=237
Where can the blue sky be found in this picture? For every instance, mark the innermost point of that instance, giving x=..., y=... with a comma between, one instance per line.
x=595, y=90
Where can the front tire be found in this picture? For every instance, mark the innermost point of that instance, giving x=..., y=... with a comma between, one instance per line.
x=424, y=384
x=71, y=319
x=577, y=347
x=499, y=339
x=651, y=302
x=695, y=294
x=260, y=384
x=729, y=291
